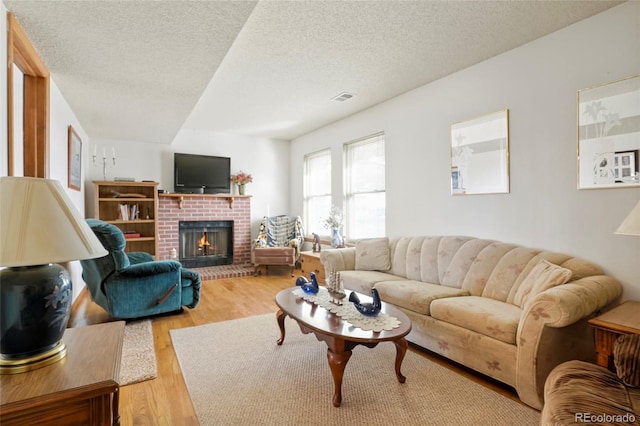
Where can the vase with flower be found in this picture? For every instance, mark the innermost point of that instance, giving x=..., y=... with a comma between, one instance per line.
x=334, y=223
x=241, y=179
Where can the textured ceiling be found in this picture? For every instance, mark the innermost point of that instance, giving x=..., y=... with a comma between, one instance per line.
x=136, y=70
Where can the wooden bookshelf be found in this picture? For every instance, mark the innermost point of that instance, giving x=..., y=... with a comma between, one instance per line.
x=131, y=206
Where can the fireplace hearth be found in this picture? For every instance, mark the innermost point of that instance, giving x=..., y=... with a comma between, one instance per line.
x=205, y=243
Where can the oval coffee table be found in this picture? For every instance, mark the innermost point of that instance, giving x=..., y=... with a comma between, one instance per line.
x=340, y=336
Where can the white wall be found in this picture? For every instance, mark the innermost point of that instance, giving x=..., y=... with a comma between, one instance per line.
x=266, y=159
x=61, y=116
x=537, y=83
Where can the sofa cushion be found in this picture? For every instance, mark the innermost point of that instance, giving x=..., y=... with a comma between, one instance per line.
x=543, y=276
x=363, y=281
x=506, y=272
x=372, y=254
x=415, y=295
x=481, y=314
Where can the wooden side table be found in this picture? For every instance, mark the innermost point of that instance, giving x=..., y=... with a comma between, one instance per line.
x=82, y=388
x=623, y=319
x=311, y=263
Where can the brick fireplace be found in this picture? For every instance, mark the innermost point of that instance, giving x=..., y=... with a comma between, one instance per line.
x=174, y=208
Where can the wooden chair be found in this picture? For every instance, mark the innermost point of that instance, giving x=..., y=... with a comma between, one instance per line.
x=278, y=242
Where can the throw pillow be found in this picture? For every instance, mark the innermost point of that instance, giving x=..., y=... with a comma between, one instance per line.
x=543, y=276
x=626, y=357
x=372, y=254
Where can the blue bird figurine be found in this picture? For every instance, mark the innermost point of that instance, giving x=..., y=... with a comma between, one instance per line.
x=308, y=287
x=368, y=309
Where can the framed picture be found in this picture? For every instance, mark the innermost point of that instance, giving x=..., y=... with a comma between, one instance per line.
x=609, y=135
x=480, y=155
x=625, y=165
x=74, y=173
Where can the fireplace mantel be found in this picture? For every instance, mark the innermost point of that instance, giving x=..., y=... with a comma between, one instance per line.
x=181, y=197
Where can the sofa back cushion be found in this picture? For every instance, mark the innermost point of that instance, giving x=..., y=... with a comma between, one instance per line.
x=462, y=261
x=481, y=267
x=506, y=272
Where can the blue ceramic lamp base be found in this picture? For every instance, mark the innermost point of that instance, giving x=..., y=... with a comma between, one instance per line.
x=35, y=304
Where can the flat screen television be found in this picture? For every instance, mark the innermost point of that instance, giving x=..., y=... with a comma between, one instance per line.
x=201, y=174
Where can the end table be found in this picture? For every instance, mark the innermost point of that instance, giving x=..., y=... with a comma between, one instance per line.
x=311, y=263
x=623, y=319
x=81, y=388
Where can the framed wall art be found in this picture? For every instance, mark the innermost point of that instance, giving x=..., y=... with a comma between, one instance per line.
x=74, y=165
x=480, y=155
x=609, y=135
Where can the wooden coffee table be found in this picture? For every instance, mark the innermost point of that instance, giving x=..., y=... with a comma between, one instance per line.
x=340, y=339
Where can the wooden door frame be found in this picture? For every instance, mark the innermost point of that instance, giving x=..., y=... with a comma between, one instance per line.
x=21, y=52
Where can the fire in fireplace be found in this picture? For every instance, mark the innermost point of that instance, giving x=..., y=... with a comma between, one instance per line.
x=205, y=243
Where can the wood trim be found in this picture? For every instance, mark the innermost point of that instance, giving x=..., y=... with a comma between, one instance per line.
x=25, y=55
x=36, y=101
x=9, y=97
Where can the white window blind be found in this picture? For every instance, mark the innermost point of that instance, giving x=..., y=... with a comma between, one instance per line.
x=364, y=187
x=317, y=190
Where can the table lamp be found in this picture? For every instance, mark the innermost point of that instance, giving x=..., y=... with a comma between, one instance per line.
x=39, y=227
x=631, y=224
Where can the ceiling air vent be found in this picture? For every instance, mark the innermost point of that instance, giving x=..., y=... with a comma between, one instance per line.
x=343, y=97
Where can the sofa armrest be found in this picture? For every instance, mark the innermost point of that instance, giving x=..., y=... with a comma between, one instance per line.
x=343, y=259
x=565, y=304
x=553, y=329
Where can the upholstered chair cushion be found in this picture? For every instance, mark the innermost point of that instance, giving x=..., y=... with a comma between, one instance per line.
x=113, y=240
x=543, y=276
x=372, y=254
x=626, y=357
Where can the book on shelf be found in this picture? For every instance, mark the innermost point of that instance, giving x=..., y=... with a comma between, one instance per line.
x=128, y=212
x=132, y=235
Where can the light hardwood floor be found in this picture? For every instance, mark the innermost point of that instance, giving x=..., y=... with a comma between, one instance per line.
x=165, y=400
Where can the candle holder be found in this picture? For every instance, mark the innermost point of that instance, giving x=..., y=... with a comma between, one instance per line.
x=105, y=163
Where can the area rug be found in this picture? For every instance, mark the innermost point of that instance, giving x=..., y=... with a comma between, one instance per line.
x=237, y=375
x=138, y=361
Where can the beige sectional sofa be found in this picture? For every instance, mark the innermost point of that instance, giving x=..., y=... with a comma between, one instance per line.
x=510, y=312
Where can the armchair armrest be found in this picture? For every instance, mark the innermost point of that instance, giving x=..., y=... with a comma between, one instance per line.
x=554, y=329
x=150, y=268
x=626, y=357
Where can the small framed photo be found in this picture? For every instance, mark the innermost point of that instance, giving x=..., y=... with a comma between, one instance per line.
x=74, y=178
x=625, y=165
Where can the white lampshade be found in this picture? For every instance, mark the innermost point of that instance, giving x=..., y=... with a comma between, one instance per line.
x=631, y=224
x=39, y=224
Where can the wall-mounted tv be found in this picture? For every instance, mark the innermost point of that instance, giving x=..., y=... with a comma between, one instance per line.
x=201, y=174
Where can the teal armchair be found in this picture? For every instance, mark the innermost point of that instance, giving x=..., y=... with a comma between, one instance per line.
x=134, y=285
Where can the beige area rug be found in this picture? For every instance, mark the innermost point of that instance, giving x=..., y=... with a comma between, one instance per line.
x=138, y=361
x=237, y=375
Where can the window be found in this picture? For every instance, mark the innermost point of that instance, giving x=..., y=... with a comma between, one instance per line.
x=364, y=187
x=317, y=190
